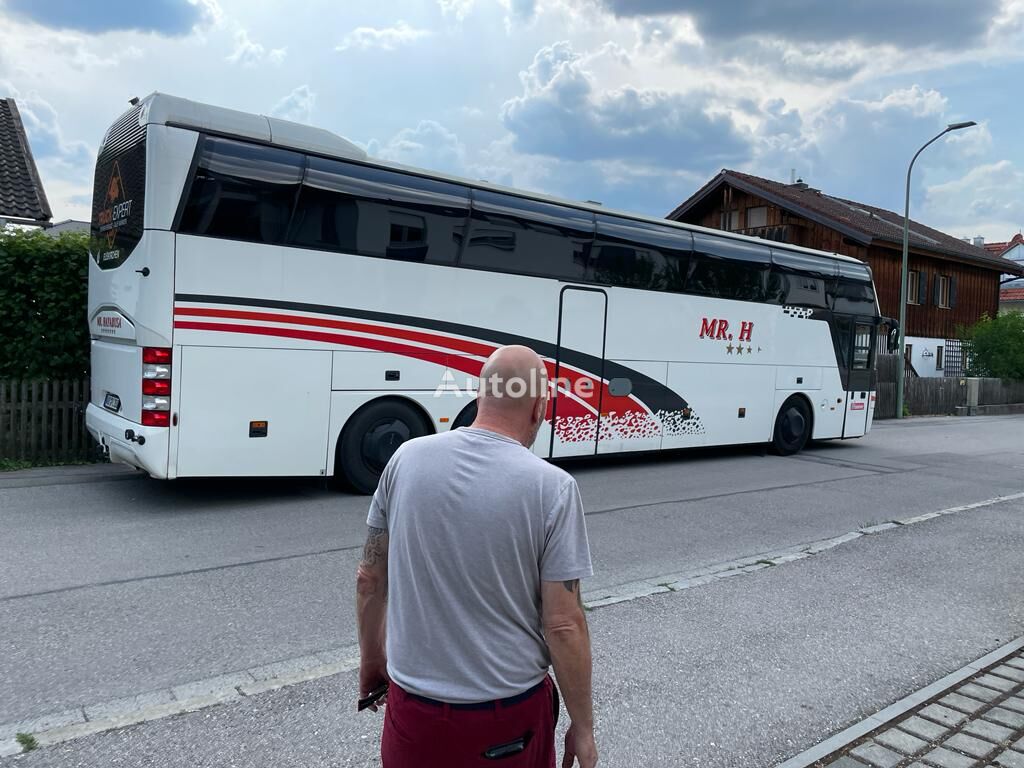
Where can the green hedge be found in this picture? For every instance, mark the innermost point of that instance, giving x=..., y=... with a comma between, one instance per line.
x=997, y=346
x=44, y=332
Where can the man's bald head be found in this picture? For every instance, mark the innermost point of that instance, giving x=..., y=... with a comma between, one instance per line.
x=513, y=392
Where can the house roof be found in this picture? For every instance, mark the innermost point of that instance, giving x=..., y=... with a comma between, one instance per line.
x=21, y=191
x=998, y=249
x=861, y=222
x=1011, y=294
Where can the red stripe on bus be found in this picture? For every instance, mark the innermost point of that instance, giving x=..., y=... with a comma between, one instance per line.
x=568, y=406
x=462, y=345
x=608, y=401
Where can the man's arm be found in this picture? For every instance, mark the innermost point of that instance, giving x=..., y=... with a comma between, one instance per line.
x=568, y=639
x=371, y=611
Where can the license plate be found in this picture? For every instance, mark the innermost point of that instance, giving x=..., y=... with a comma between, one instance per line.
x=112, y=402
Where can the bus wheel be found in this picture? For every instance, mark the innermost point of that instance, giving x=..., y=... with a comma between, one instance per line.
x=466, y=417
x=792, y=427
x=371, y=438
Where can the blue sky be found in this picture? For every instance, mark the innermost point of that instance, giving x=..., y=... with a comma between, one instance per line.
x=635, y=103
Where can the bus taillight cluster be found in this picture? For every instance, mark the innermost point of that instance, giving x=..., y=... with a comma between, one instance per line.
x=156, y=387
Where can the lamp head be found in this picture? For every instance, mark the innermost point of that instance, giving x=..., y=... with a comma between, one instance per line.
x=958, y=126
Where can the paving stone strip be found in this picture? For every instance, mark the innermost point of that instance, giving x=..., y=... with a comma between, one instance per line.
x=974, y=718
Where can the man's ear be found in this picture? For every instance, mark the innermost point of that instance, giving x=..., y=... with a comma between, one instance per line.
x=540, y=406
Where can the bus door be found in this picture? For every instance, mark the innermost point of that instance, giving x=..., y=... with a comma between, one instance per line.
x=859, y=348
x=579, y=371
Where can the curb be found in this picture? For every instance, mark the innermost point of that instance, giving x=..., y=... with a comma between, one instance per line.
x=67, y=474
x=896, y=710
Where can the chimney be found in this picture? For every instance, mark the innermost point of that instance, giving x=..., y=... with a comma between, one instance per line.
x=979, y=241
x=799, y=184
x=792, y=175
x=966, y=239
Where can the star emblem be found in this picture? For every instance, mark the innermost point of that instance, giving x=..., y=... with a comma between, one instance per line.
x=750, y=350
x=739, y=350
x=730, y=348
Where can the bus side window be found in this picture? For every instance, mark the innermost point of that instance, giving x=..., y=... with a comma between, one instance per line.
x=636, y=254
x=529, y=237
x=242, y=191
x=375, y=212
x=728, y=269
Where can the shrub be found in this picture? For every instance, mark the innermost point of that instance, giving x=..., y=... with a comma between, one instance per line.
x=997, y=346
x=44, y=332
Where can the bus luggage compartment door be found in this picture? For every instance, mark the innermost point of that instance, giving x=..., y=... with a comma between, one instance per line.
x=253, y=412
x=576, y=406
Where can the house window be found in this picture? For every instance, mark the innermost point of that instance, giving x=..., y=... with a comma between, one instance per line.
x=913, y=286
x=730, y=220
x=757, y=217
x=943, y=291
x=938, y=358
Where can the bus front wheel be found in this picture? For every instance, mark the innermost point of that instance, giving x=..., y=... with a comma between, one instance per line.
x=792, y=427
x=371, y=438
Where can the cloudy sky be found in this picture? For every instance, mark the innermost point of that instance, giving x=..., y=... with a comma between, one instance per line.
x=635, y=103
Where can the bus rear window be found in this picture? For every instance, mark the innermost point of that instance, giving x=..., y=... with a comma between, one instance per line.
x=118, y=192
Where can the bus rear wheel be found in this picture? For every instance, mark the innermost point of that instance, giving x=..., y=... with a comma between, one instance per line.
x=371, y=438
x=792, y=427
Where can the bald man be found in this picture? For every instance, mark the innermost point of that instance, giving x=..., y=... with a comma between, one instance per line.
x=469, y=589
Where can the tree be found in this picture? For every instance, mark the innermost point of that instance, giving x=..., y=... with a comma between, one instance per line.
x=997, y=346
x=44, y=332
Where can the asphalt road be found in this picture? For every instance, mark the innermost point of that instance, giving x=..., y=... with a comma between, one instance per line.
x=111, y=588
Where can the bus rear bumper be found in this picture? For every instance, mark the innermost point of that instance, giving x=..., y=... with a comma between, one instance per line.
x=109, y=430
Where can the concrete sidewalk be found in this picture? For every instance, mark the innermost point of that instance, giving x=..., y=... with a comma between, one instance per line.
x=67, y=474
x=970, y=719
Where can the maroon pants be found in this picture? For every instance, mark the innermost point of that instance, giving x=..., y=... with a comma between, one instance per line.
x=422, y=735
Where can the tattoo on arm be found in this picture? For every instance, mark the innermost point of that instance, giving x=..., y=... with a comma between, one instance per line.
x=376, y=549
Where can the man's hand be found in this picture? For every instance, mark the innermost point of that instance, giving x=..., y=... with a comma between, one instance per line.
x=579, y=745
x=372, y=675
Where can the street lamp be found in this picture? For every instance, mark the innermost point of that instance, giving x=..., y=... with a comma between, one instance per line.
x=903, y=273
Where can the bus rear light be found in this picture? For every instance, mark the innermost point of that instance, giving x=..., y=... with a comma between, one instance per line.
x=155, y=403
x=156, y=386
x=156, y=355
x=156, y=371
x=156, y=418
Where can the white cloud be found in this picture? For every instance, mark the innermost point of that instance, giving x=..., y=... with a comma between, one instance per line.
x=457, y=8
x=987, y=200
x=297, y=105
x=914, y=100
x=385, y=38
x=249, y=53
x=429, y=145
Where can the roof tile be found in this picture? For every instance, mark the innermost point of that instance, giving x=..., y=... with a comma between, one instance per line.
x=21, y=191
x=868, y=221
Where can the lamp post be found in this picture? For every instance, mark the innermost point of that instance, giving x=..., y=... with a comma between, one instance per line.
x=900, y=372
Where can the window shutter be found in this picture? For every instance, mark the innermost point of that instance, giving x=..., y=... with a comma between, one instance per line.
x=922, y=287
x=952, y=291
x=938, y=287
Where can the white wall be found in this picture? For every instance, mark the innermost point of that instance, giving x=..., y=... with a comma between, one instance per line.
x=923, y=355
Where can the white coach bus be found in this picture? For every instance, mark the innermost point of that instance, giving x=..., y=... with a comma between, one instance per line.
x=264, y=299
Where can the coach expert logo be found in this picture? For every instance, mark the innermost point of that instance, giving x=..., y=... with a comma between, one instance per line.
x=114, y=214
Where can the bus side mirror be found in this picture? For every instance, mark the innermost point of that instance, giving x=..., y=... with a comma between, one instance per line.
x=894, y=339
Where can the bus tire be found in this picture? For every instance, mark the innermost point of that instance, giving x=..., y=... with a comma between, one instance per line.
x=792, y=427
x=371, y=437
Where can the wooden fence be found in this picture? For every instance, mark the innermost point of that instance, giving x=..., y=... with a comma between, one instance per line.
x=1000, y=391
x=44, y=420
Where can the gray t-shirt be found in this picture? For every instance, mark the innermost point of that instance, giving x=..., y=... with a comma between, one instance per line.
x=475, y=523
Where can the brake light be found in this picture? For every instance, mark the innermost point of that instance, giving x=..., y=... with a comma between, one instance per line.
x=156, y=418
x=156, y=387
x=156, y=355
